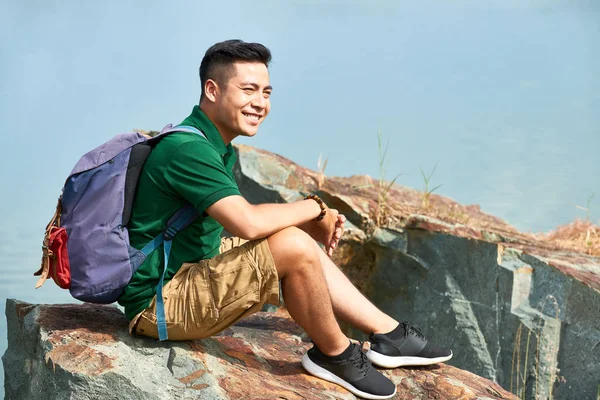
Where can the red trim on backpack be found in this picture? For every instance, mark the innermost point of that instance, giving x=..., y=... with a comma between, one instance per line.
x=55, y=259
x=60, y=270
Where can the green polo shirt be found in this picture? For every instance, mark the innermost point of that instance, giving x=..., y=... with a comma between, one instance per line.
x=184, y=168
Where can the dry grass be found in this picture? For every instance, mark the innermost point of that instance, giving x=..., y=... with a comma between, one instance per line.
x=388, y=204
x=384, y=187
x=321, y=165
x=581, y=236
x=427, y=191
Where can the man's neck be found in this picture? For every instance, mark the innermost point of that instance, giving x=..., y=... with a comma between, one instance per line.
x=208, y=112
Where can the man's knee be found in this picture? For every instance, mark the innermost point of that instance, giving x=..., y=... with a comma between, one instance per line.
x=293, y=248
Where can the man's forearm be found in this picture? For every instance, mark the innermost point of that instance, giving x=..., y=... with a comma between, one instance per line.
x=267, y=219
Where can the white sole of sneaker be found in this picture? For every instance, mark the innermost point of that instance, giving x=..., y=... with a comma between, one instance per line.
x=381, y=360
x=322, y=373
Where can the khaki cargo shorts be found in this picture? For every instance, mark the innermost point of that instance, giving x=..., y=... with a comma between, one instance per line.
x=205, y=298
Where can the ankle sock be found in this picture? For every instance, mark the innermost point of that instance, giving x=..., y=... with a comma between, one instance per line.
x=343, y=355
x=397, y=333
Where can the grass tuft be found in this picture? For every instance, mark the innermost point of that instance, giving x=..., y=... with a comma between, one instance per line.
x=427, y=192
x=586, y=209
x=383, y=186
x=321, y=165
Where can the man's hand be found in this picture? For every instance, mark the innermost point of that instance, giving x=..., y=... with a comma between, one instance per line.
x=328, y=231
x=339, y=231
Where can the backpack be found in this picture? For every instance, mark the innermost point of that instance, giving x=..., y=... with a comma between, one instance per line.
x=86, y=246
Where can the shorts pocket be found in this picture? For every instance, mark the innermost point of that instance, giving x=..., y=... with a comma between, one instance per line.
x=235, y=286
x=187, y=302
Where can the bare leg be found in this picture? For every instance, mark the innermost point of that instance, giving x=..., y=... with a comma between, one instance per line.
x=349, y=304
x=305, y=290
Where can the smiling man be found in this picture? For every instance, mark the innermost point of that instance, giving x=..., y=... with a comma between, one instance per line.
x=211, y=282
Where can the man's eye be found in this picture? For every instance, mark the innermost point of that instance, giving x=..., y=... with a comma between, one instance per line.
x=248, y=90
x=267, y=95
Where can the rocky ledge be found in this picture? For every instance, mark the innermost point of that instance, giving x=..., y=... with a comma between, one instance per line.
x=520, y=309
x=85, y=352
x=516, y=308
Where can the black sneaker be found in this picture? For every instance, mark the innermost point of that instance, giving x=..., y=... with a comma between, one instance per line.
x=405, y=346
x=351, y=370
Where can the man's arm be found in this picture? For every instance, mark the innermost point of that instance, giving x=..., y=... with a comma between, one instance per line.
x=258, y=221
x=252, y=222
x=205, y=177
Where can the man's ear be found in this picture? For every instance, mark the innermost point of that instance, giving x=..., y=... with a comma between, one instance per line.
x=211, y=90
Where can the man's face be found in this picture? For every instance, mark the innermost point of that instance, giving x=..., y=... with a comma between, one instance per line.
x=244, y=102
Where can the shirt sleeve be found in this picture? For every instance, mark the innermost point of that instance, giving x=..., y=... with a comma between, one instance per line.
x=197, y=173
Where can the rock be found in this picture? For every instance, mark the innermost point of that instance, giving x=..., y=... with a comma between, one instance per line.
x=266, y=177
x=519, y=309
x=85, y=352
x=508, y=303
x=498, y=307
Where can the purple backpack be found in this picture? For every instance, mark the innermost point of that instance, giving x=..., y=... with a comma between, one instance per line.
x=96, y=202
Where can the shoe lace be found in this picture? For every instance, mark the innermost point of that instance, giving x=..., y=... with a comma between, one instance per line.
x=360, y=360
x=409, y=329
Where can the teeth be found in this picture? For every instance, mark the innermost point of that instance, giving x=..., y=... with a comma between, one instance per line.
x=252, y=116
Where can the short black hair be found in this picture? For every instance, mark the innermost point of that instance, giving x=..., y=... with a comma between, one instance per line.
x=219, y=59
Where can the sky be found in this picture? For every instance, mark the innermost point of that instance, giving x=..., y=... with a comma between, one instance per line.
x=502, y=96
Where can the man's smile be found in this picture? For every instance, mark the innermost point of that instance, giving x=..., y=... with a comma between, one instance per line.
x=252, y=118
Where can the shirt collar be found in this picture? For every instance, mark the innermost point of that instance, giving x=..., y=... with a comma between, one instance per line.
x=200, y=121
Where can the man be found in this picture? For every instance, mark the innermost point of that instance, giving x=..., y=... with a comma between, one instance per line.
x=212, y=283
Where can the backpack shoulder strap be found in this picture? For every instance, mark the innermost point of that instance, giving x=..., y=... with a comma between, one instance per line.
x=179, y=221
x=178, y=128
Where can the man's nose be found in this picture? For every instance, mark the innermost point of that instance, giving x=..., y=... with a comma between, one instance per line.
x=259, y=101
